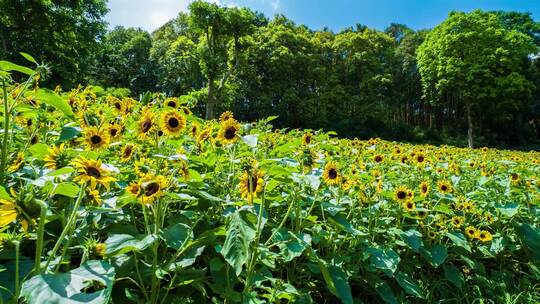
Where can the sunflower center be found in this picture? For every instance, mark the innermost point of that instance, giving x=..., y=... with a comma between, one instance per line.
x=332, y=173
x=171, y=104
x=230, y=133
x=420, y=159
x=424, y=188
x=444, y=188
x=173, y=122
x=151, y=189
x=308, y=139
x=34, y=140
x=118, y=106
x=113, y=132
x=93, y=172
x=401, y=195
x=378, y=159
x=146, y=125
x=95, y=139
x=128, y=151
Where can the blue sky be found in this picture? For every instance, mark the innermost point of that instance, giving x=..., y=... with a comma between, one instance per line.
x=335, y=14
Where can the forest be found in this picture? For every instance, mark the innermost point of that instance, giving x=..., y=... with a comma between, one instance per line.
x=472, y=80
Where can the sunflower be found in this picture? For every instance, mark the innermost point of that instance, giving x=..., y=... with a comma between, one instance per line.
x=432, y=235
x=117, y=104
x=457, y=221
x=484, y=236
x=228, y=133
x=409, y=206
x=470, y=232
x=331, y=173
x=91, y=172
x=134, y=189
x=251, y=184
x=378, y=158
x=8, y=212
x=34, y=139
x=172, y=123
x=514, y=178
x=144, y=166
x=56, y=157
x=146, y=124
x=171, y=102
x=99, y=249
x=306, y=138
x=151, y=188
x=420, y=157
x=194, y=130
x=444, y=186
x=94, y=196
x=115, y=130
x=424, y=189
x=225, y=116
x=17, y=163
x=401, y=194
x=204, y=135
x=127, y=152
x=95, y=139
x=186, y=110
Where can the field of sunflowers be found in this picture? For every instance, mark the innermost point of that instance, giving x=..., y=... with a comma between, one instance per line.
x=117, y=200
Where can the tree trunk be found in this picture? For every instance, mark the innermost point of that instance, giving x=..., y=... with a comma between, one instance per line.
x=211, y=100
x=470, y=126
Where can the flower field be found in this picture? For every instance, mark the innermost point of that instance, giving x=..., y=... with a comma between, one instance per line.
x=117, y=200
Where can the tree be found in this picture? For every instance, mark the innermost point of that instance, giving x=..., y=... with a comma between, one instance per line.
x=124, y=60
x=219, y=28
x=63, y=34
x=472, y=59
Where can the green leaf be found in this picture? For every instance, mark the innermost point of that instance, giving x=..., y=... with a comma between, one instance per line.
x=28, y=57
x=436, y=255
x=413, y=238
x=497, y=245
x=459, y=240
x=10, y=66
x=408, y=285
x=387, y=260
x=51, y=98
x=386, y=293
x=66, y=189
x=236, y=247
x=39, y=150
x=68, y=133
x=61, y=171
x=508, y=210
x=342, y=287
x=452, y=274
x=123, y=243
x=176, y=235
x=8, y=274
x=530, y=236
x=4, y=194
x=76, y=286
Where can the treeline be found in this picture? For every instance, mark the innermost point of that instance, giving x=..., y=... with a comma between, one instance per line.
x=476, y=73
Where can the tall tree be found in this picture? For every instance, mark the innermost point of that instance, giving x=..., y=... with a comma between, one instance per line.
x=63, y=34
x=473, y=59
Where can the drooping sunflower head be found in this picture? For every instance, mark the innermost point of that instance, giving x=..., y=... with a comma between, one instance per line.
x=194, y=130
x=151, y=187
x=144, y=166
x=115, y=130
x=424, y=188
x=331, y=173
x=229, y=131
x=117, y=104
x=225, y=116
x=127, y=152
x=444, y=186
x=172, y=123
x=185, y=110
x=17, y=162
x=146, y=124
x=92, y=173
x=251, y=184
x=57, y=157
x=95, y=139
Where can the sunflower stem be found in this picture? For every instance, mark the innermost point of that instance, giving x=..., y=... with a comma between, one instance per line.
x=17, y=283
x=40, y=235
x=71, y=220
x=6, y=131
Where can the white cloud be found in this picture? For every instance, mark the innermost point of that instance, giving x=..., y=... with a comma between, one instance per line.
x=275, y=4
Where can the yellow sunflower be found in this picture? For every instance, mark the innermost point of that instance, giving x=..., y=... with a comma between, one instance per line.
x=424, y=188
x=331, y=173
x=56, y=157
x=457, y=221
x=94, y=196
x=17, y=163
x=409, y=206
x=514, y=178
x=92, y=173
x=134, y=189
x=306, y=138
x=401, y=194
x=470, y=232
x=172, y=123
x=99, y=249
x=151, y=188
x=225, y=116
x=420, y=157
x=115, y=130
x=8, y=212
x=171, y=102
x=95, y=139
x=146, y=124
x=251, y=184
x=484, y=235
x=228, y=133
x=444, y=186
x=378, y=158
x=127, y=152
x=117, y=104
